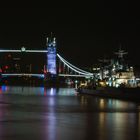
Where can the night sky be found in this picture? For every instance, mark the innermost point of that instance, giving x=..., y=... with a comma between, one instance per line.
x=84, y=34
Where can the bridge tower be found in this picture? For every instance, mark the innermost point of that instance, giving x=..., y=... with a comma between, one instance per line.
x=51, y=55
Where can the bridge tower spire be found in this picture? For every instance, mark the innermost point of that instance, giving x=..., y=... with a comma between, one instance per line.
x=51, y=55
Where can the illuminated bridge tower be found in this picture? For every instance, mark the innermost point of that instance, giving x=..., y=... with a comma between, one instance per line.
x=51, y=55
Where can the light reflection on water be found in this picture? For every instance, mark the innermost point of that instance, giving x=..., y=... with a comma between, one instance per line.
x=23, y=90
x=60, y=114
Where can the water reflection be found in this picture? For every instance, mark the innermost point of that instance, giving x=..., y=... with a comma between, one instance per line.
x=51, y=113
x=44, y=91
x=50, y=120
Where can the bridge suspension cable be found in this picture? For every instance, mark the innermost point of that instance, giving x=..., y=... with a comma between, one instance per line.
x=74, y=68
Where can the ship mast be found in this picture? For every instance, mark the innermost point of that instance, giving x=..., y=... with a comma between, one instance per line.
x=121, y=53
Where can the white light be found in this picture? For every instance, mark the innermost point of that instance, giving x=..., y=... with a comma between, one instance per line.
x=72, y=75
x=73, y=68
x=117, y=85
x=51, y=92
x=80, y=71
x=23, y=49
x=10, y=50
x=23, y=74
x=35, y=51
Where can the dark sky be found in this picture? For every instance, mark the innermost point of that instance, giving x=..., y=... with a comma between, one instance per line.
x=84, y=33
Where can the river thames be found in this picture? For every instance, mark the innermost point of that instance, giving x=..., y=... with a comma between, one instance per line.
x=38, y=113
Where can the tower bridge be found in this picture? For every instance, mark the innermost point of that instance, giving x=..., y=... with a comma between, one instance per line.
x=65, y=68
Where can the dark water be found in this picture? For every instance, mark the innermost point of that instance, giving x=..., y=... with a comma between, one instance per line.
x=38, y=113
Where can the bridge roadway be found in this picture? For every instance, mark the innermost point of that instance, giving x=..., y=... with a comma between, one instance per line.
x=42, y=75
